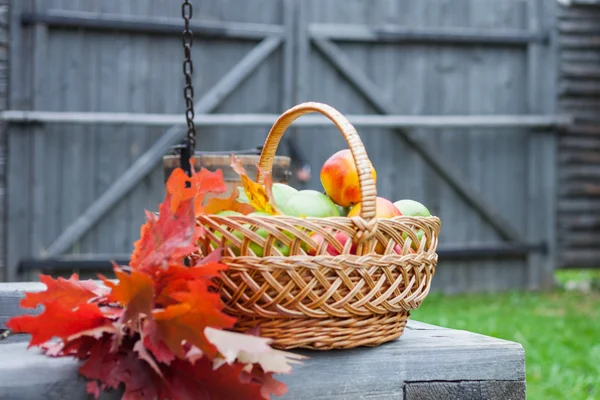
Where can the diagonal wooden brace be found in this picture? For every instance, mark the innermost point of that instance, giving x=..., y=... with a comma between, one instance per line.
x=369, y=90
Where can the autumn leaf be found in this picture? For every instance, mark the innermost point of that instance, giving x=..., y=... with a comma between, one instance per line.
x=70, y=292
x=176, y=278
x=114, y=368
x=186, y=321
x=199, y=381
x=248, y=350
x=268, y=385
x=155, y=344
x=58, y=321
x=231, y=203
x=167, y=238
x=135, y=292
x=183, y=188
x=258, y=196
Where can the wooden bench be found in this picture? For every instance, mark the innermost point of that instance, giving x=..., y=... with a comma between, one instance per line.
x=427, y=362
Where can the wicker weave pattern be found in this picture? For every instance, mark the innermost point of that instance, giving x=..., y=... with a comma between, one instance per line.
x=355, y=287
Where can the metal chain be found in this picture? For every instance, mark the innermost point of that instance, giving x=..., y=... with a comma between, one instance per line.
x=188, y=91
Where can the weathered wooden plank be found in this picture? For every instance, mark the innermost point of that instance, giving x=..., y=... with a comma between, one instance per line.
x=39, y=99
x=578, y=143
x=577, y=12
x=589, y=173
x=580, y=56
x=580, y=42
x=579, y=157
x=18, y=218
x=289, y=7
x=156, y=25
x=585, y=206
x=448, y=173
x=580, y=89
x=579, y=259
x=466, y=390
x=10, y=296
x=581, y=106
x=257, y=119
x=388, y=33
x=580, y=71
x=583, y=240
x=419, y=355
x=146, y=161
x=585, y=27
x=579, y=189
x=582, y=221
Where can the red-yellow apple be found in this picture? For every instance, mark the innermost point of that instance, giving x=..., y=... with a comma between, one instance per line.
x=339, y=178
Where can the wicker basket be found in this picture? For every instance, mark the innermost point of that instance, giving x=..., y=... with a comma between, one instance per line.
x=309, y=298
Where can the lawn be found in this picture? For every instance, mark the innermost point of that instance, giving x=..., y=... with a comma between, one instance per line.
x=560, y=332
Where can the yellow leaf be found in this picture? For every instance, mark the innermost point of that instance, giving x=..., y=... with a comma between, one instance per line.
x=259, y=197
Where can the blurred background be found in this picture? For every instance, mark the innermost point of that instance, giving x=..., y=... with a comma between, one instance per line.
x=486, y=111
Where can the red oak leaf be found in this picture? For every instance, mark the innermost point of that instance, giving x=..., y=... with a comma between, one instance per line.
x=268, y=385
x=199, y=381
x=114, y=368
x=168, y=239
x=70, y=292
x=186, y=321
x=154, y=344
x=58, y=321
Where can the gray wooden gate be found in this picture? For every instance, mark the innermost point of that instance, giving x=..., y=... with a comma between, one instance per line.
x=471, y=104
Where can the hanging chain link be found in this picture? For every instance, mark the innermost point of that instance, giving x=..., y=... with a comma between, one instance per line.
x=188, y=91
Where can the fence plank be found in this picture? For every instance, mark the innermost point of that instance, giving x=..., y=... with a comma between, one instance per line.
x=18, y=218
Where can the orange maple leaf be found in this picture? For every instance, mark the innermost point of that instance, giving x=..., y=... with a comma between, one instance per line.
x=186, y=321
x=175, y=279
x=135, y=292
x=182, y=187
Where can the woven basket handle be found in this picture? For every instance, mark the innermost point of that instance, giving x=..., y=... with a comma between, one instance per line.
x=368, y=189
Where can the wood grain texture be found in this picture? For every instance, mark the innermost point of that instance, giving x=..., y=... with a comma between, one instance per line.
x=380, y=372
x=475, y=390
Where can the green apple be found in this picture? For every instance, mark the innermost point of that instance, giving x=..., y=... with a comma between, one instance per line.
x=282, y=193
x=310, y=203
x=412, y=208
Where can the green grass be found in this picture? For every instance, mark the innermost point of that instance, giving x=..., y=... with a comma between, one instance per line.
x=560, y=332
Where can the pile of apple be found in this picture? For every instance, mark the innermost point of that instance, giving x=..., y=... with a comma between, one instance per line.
x=341, y=198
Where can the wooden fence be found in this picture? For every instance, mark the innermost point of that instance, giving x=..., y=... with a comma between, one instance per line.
x=454, y=99
x=579, y=146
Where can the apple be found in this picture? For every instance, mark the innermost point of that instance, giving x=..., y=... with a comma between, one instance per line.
x=341, y=237
x=309, y=203
x=257, y=249
x=384, y=209
x=414, y=209
x=339, y=177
